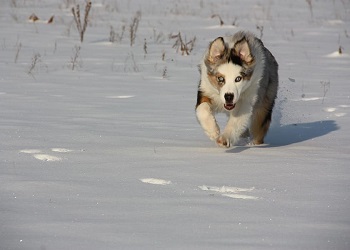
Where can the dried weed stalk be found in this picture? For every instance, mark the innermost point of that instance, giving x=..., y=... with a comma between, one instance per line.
x=76, y=14
x=115, y=37
x=19, y=46
x=340, y=50
x=326, y=86
x=33, y=17
x=261, y=29
x=134, y=26
x=309, y=3
x=145, y=48
x=218, y=16
x=35, y=60
x=133, y=61
x=182, y=45
x=76, y=55
x=165, y=72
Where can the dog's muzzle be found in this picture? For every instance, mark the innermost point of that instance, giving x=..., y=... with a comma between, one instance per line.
x=229, y=105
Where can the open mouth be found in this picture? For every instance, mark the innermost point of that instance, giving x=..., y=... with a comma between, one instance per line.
x=229, y=106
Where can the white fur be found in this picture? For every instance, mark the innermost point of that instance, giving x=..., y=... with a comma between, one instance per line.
x=238, y=118
x=231, y=71
x=238, y=122
x=207, y=121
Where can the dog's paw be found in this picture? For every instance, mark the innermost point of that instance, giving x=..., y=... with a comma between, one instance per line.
x=223, y=141
x=256, y=142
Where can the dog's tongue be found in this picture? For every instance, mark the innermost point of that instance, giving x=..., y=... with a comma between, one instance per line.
x=229, y=106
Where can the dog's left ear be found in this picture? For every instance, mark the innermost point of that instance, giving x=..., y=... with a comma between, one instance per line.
x=242, y=50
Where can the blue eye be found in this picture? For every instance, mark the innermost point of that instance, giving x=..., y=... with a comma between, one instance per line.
x=238, y=79
x=221, y=80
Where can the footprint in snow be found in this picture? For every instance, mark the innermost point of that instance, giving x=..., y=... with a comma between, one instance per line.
x=338, y=114
x=45, y=157
x=61, y=150
x=39, y=155
x=232, y=192
x=120, y=96
x=155, y=181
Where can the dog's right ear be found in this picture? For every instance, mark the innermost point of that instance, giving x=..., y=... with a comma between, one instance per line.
x=216, y=50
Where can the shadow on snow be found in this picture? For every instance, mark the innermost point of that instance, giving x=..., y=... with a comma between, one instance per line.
x=293, y=133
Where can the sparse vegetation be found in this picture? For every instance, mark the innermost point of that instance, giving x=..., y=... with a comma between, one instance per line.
x=145, y=48
x=158, y=37
x=234, y=23
x=134, y=26
x=346, y=34
x=33, y=17
x=261, y=29
x=75, y=62
x=165, y=72
x=340, y=50
x=35, y=60
x=182, y=45
x=134, y=66
x=112, y=35
x=325, y=86
x=50, y=19
x=19, y=46
x=116, y=37
x=219, y=17
x=309, y=3
x=76, y=14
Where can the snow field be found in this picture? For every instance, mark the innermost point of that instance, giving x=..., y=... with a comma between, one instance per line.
x=110, y=155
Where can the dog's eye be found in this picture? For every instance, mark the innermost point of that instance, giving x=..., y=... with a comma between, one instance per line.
x=221, y=80
x=238, y=79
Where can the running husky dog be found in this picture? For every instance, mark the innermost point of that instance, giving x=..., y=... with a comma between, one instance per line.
x=239, y=77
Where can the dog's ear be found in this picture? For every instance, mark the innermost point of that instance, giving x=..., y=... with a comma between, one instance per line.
x=217, y=49
x=242, y=50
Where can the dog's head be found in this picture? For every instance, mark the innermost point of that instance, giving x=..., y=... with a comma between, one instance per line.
x=229, y=69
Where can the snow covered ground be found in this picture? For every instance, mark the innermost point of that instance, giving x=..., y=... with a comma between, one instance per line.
x=109, y=155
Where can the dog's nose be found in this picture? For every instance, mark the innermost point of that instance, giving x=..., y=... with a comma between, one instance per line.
x=229, y=97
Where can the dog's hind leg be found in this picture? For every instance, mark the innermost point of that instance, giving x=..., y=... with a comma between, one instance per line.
x=261, y=122
x=245, y=134
x=206, y=117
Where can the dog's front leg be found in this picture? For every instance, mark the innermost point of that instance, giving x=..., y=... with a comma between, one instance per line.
x=224, y=140
x=207, y=120
x=235, y=127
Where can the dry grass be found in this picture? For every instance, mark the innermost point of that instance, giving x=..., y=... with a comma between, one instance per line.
x=218, y=16
x=76, y=14
x=134, y=26
x=19, y=46
x=35, y=60
x=182, y=45
x=75, y=58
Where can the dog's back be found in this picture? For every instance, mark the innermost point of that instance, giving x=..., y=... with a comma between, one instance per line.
x=266, y=75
